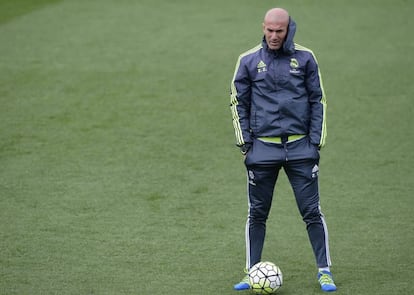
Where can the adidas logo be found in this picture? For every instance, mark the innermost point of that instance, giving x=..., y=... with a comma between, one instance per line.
x=261, y=67
x=315, y=171
x=251, y=177
x=261, y=64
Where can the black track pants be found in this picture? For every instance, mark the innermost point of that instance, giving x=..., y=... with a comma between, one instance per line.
x=263, y=164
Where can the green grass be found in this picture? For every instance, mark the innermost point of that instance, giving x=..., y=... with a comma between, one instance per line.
x=118, y=171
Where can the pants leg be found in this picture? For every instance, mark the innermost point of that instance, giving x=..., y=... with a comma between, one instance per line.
x=303, y=177
x=261, y=183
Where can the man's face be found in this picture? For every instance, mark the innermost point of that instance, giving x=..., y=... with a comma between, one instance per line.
x=275, y=34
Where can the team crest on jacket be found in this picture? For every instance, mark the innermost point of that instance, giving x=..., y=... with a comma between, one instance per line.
x=261, y=67
x=294, y=64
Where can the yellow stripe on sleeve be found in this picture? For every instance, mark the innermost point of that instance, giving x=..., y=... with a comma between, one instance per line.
x=233, y=97
x=323, y=100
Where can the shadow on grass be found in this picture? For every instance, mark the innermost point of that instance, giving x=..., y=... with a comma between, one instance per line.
x=9, y=10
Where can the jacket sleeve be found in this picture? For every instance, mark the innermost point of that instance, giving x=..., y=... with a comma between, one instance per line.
x=240, y=90
x=317, y=101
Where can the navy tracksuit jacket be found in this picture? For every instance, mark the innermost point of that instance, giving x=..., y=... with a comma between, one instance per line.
x=279, y=116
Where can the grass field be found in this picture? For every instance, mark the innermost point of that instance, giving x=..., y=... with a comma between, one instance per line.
x=118, y=170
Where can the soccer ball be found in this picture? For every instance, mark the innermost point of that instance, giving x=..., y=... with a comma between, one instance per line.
x=265, y=278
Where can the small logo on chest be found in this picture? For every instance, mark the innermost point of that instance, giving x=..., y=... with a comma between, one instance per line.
x=261, y=67
x=294, y=64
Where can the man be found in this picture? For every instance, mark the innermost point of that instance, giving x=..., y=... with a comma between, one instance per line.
x=279, y=116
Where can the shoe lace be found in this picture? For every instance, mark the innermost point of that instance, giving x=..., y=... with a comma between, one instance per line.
x=326, y=279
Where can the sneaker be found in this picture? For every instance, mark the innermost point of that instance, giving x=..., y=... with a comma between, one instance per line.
x=326, y=281
x=243, y=285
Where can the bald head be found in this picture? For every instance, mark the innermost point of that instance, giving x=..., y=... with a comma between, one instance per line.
x=276, y=15
x=275, y=27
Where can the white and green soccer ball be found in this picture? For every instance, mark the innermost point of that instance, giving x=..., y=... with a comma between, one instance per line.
x=265, y=278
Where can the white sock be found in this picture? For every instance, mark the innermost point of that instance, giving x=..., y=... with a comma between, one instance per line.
x=324, y=269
